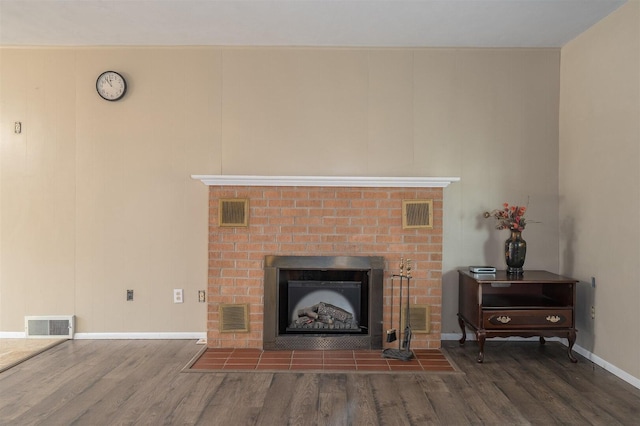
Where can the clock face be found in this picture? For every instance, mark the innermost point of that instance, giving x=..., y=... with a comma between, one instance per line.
x=111, y=86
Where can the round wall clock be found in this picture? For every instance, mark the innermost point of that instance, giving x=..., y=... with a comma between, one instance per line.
x=111, y=86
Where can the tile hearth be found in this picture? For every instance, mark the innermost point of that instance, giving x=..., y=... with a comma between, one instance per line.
x=215, y=359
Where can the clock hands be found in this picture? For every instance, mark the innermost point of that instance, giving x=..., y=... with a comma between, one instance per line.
x=108, y=79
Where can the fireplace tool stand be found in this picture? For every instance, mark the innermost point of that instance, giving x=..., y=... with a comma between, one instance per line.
x=403, y=352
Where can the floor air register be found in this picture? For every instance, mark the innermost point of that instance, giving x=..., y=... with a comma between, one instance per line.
x=403, y=352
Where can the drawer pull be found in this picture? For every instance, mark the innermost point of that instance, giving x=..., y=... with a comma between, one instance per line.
x=553, y=318
x=503, y=319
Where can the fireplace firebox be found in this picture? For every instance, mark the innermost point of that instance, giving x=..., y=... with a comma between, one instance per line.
x=323, y=302
x=330, y=306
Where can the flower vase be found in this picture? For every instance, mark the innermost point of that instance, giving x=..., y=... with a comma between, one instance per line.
x=515, y=251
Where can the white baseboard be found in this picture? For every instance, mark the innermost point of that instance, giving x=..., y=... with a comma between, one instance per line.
x=633, y=381
x=12, y=334
x=142, y=336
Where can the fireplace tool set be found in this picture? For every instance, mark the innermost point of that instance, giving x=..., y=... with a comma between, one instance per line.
x=403, y=352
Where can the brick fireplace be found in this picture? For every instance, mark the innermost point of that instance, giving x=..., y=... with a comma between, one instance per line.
x=320, y=216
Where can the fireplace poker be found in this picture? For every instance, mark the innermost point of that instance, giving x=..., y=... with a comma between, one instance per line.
x=407, y=328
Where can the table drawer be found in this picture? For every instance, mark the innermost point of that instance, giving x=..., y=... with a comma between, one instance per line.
x=527, y=318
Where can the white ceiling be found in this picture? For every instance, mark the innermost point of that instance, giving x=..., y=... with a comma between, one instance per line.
x=379, y=23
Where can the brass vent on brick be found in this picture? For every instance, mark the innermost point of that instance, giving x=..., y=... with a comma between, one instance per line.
x=233, y=212
x=419, y=318
x=234, y=318
x=417, y=214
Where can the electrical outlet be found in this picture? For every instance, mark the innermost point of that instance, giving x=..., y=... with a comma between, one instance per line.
x=177, y=295
x=17, y=127
x=201, y=296
x=129, y=295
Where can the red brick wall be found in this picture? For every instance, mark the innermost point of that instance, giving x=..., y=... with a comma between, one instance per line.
x=329, y=221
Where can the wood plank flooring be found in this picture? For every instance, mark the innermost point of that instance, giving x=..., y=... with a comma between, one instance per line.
x=140, y=382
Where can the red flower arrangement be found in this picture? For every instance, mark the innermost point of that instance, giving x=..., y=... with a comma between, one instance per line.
x=509, y=217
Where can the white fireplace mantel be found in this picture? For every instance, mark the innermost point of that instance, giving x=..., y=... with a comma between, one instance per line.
x=341, y=181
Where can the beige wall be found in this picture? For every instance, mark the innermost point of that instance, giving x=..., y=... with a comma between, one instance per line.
x=96, y=196
x=600, y=183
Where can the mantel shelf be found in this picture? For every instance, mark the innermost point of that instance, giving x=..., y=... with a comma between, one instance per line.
x=341, y=181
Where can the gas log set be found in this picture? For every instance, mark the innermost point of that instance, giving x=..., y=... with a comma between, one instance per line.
x=324, y=316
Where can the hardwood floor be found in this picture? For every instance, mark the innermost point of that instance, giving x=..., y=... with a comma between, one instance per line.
x=115, y=382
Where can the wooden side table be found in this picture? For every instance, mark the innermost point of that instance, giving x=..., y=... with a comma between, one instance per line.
x=537, y=303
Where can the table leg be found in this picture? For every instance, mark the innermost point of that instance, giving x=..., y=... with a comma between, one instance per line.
x=572, y=339
x=482, y=336
x=542, y=341
x=464, y=331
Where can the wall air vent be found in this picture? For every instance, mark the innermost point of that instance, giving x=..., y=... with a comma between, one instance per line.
x=234, y=318
x=419, y=317
x=417, y=214
x=49, y=326
x=233, y=212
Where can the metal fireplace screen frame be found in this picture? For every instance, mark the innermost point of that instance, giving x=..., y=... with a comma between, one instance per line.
x=278, y=269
